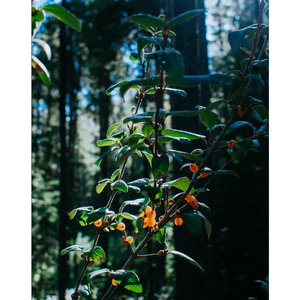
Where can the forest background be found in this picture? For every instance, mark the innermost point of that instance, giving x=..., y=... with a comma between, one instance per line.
x=16, y=153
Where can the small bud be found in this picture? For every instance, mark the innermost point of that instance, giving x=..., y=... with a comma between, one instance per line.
x=156, y=229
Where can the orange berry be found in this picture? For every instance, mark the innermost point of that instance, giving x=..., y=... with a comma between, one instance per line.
x=193, y=168
x=129, y=239
x=193, y=202
x=83, y=255
x=123, y=239
x=121, y=226
x=124, y=245
x=93, y=261
x=113, y=282
x=204, y=174
x=171, y=201
x=98, y=223
x=231, y=144
x=178, y=221
x=188, y=198
x=161, y=253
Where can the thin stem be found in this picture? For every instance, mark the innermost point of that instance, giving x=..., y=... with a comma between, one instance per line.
x=80, y=279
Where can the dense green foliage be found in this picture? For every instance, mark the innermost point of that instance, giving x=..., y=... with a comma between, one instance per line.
x=137, y=160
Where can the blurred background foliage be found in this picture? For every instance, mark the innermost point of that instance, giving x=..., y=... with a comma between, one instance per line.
x=71, y=114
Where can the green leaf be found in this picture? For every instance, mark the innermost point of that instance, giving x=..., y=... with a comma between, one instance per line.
x=182, y=18
x=185, y=257
x=139, y=225
x=122, y=157
x=134, y=188
x=160, y=165
x=215, y=104
x=170, y=60
x=147, y=129
x=239, y=152
x=254, y=101
x=193, y=222
x=253, y=113
x=117, y=85
x=91, y=217
x=144, y=117
x=237, y=124
x=99, y=160
x=41, y=69
x=101, y=185
x=263, y=63
x=38, y=17
x=106, y=142
x=185, y=155
x=97, y=273
x=129, y=216
x=181, y=183
x=71, y=248
x=191, y=81
x=147, y=20
x=128, y=279
x=262, y=111
x=147, y=152
x=166, y=139
x=176, y=91
x=267, y=13
x=227, y=172
x=63, y=15
x=44, y=45
x=83, y=208
x=245, y=91
x=257, y=77
x=154, y=193
x=135, y=139
x=160, y=235
x=96, y=253
x=120, y=185
x=237, y=37
x=115, y=174
x=118, y=136
x=208, y=118
x=264, y=31
x=182, y=134
x=140, y=182
x=263, y=285
x=142, y=42
x=182, y=113
x=204, y=207
x=149, y=81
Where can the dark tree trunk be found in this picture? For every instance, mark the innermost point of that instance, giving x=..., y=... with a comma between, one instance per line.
x=63, y=274
x=191, y=42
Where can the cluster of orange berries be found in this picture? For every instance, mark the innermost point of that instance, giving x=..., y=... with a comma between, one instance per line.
x=149, y=217
x=126, y=240
x=194, y=168
x=240, y=111
x=192, y=201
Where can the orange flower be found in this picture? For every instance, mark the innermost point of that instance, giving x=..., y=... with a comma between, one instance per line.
x=149, y=217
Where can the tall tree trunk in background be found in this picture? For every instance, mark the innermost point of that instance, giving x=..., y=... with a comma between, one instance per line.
x=191, y=42
x=63, y=274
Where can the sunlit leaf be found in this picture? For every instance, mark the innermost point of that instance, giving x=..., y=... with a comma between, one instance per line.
x=147, y=20
x=186, y=155
x=182, y=18
x=181, y=183
x=238, y=124
x=41, y=69
x=106, y=142
x=142, y=42
x=71, y=248
x=96, y=253
x=128, y=279
x=63, y=15
x=191, y=81
x=101, y=185
x=186, y=257
x=120, y=185
x=182, y=134
x=170, y=60
x=44, y=45
x=83, y=208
